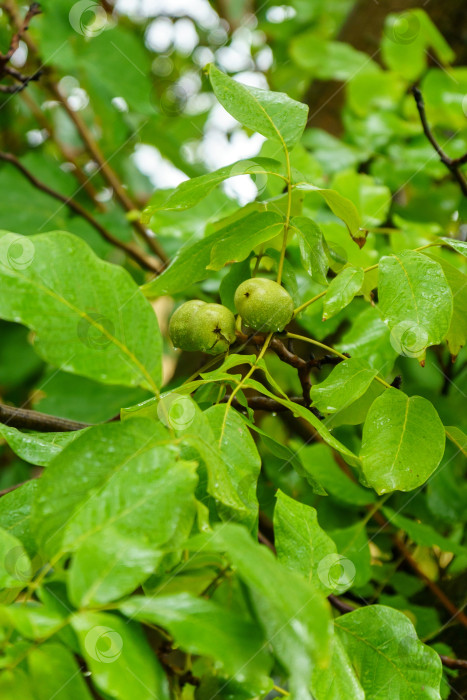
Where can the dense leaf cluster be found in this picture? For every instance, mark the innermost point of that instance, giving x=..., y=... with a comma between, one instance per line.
x=288, y=516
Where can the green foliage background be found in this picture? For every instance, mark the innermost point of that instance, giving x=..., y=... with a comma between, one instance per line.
x=232, y=527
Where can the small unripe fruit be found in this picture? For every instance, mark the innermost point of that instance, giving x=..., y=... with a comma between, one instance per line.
x=197, y=326
x=215, y=328
x=264, y=305
x=181, y=326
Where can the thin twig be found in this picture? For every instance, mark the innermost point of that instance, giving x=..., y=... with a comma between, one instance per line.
x=453, y=663
x=107, y=171
x=264, y=403
x=91, y=145
x=23, y=80
x=140, y=256
x=9, y=489
x=452, y=164
x=23, y=418
x=302, y=366
x=34, y=9
x=84, y=180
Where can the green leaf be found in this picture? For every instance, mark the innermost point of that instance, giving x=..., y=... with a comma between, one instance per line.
x=103, y=329
x=339, y=681
x=328, y=60
x=383, y=647
x=151, y=497
x=342, y=207
x=355, y=559
x=298, y=625
x=15, y=514
x=457, y=335
x=424, y=534
x=415, y=300
x=368, y=339
x=406, y=39
x=120, y=659
x=190, y=192
x=403, y=442
x=37, y=448
x=82, y=469
x=371, y=199
x=458, y=246
x=346, y=383
x=233, y=494
x=342, y=290
x=202, y=627
x=15, y=565
x=458, y=438
x=109, y=565
x=309, y=417
x=300, y=542
x=237, y=274
x=318, y=461
x=273, y=114
x=232, y=243
x=15, y=684
x=56, y=674
x=35, y=621
x=239, y=239
x=240, y=455
x=356, y=412
x=290, y=457
x=312, y=248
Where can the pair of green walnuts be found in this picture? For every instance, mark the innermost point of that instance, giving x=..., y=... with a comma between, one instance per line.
x=264, y=306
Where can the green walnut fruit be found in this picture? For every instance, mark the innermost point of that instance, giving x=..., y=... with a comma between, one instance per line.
x=215, y=328
x=197, y=326
x=181, y=326
x=264, y=305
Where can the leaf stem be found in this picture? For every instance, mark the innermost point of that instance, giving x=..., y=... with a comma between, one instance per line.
x=287, y=218
x=365, y=270
x=334, y=352
x=280, y=690
x=146, y=261
x=242, y=382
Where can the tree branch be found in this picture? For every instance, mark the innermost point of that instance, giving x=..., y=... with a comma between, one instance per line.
x=140, y=256
x=84, y=180
x=9, y=489
x=264, y=403
x=287, y=355
x=91, y=145
x=23, y=80
x=107, y=171
x=23, y=418
x=452, y=164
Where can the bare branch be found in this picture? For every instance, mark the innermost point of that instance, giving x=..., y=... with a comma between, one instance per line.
x=452, y=164
x=23, y=418
x=133, y=251
x=23, y=80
